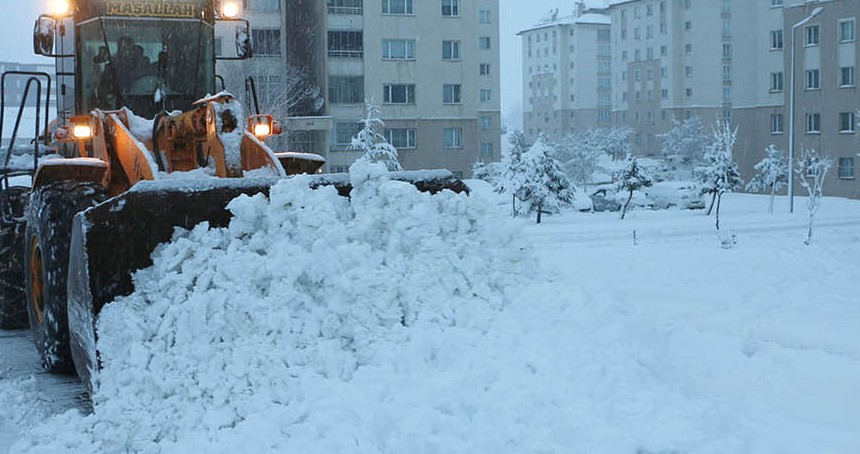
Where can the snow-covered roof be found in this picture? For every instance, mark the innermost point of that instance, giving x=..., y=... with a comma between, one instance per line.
x=553, y=20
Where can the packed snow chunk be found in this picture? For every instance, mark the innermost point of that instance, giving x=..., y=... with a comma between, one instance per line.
x=312, y=323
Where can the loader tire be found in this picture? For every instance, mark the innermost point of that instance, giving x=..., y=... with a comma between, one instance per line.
x=13, y=306
x=46, y=265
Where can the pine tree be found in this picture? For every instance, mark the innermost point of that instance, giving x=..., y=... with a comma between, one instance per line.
x=633, y=178
x=720, y=173
x=370, y=140
x=545, y=186
x=771, y=173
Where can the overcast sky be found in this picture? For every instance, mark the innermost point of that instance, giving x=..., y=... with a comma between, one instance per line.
x=515, y=16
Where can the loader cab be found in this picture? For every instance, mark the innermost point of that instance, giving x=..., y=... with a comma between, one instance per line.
x=146, y=55
x=145, y=65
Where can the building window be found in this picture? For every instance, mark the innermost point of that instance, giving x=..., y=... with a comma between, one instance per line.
x=267, y=41
x=345, y=89
x=484, y=69
x=727, y=51
x=484, y=42
x=688, y=48
x=451, y=7
x=398, y=93
x=813, y=123
x=486, y=95
x=813, y=79
x=846, y=76
x=846, y=30
x=775, y=2
x=486, y=122
x=401, y=137
x=398, y=49
x=453, y=138
x=813, y=35
x=273, y=5
x=688, y=93
x=664, y=93
x=776, y=39
x=344, y=131
x=450, y=50
x=777, y=82
x=486, y=150
x=688, y=71
x=345, y=44
x=846, y=122
x=397, y=7
x=485, y=16
x=339, y=6
x=727, y=73
x=846, y=169
x=776, y=124
x=451, y=94
x=687, y=4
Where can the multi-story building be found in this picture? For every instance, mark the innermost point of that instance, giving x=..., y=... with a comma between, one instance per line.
x=567, y=84
x=732, y=60
x=673, y=60
x=826, y=96
x=432, y=67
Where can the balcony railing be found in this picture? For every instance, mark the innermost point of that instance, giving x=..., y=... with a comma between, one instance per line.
x=356, y=54
x=353, y=10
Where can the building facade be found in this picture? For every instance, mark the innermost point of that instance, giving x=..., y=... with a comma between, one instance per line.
x=432, y=67
x=731, y=60
x=567, y=74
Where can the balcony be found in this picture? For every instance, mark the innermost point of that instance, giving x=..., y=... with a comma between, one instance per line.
x=346, y=10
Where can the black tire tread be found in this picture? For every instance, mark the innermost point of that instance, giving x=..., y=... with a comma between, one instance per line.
x=49, y=219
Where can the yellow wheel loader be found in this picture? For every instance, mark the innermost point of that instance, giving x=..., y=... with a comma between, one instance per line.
x=136, y=110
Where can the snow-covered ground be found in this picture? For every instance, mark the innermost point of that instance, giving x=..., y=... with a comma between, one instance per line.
x=410, y=323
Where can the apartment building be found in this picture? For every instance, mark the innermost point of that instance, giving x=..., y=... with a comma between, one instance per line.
x=732, y=60
x=826, y=96
x=432, y=67
x=567, y=73
x=673, y=60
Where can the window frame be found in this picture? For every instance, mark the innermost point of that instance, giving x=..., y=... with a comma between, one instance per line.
x=456, y=138
x=408, y=93
x=452, y=94
x=408, y=49
x=410, y=134
x=450, y=8
x=408, y=8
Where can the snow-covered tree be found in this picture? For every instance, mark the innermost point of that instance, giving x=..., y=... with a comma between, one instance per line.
x=491, y=172
x=545, y=186
x=811, y=168
x=579, y=155
x=511, y=179
x=632, y=178
x=720, y=172
x=370, y=140
x=771, y=174
x=686, y=141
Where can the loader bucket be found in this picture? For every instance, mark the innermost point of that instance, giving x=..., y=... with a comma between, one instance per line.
x=115, y=238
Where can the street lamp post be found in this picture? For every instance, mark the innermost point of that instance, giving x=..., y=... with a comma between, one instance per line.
x=794, y=28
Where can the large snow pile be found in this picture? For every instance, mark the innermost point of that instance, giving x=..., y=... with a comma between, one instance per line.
x=315, y=323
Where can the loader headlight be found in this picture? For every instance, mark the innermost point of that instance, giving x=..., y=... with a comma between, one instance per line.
x=82, y=128
x=261, y=125
x=60, y=8
x=230, y=10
